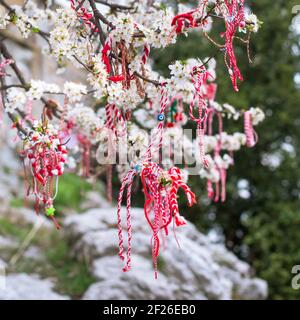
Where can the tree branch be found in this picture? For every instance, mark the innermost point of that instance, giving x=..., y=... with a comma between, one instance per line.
x=99, y=16
x=114, y=5
x=154, y=82
x=13, y=65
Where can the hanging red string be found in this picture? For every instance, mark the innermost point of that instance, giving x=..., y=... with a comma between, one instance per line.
x=115, y=121
x=199, y=98
x=161, y=189
x=234, y=17
x=251, y=135
x=105, y=54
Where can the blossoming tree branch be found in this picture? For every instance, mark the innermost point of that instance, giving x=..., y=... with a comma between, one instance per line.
x=91, y=126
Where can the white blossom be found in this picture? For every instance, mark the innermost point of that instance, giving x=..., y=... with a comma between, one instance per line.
x=38, y=88
x=74, y=91
x=16, y=99
x=4, y=20
x=257, y=115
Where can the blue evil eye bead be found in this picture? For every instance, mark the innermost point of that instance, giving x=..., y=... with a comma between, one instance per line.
x=161, y=117
x=137, y=168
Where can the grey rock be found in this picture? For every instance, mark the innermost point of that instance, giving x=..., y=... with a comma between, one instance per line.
x=252, y=290
x=94, y=199
x=6, y=242
x=27, y=216
x=199, y=269
x=28, y=287
x=34, y=252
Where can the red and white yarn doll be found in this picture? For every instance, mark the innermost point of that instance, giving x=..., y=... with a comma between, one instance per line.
x=46, y=158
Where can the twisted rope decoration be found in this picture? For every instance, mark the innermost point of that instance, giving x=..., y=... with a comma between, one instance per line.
x=251, y=135
x=235, y=15
x=113, y=114
x=83, y=15
x=199, y=98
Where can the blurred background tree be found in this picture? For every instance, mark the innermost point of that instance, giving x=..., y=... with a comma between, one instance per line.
x=260, y=220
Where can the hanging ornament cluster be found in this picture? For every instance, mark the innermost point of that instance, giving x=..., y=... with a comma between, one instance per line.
x=131, y=98
x=160, y=188
x=234, y=19
x=46, y=157
x=233, y=14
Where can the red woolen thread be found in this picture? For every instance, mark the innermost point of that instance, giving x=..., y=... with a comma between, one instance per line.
x=113, y=114
x=210, y=190
x=120, y=229
x=217, y=151
x=217, y=192
x=146, y=53
x=177, y=182
x=217, y=154
x=235, y=15
x=156, y=228
x=127, y=181
x=84, y=15
x=129, y=227
x=105, y=54
x=167, y=217
x=202, y=77
x=121, y=120
x=179, y=221
x=109, y=118
x=162, y=202
x=85, y=144
x=153, y=202
x=109, y=182
x=157, y=139
x=251, y=136
x=190, y=195
x=223, y=174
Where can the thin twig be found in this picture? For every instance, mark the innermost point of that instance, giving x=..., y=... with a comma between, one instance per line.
x=13, y=65
x=99, y=16
x=154, y=82
x=114, y=5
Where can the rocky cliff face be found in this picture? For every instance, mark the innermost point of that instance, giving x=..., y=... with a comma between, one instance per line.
x=198, y=269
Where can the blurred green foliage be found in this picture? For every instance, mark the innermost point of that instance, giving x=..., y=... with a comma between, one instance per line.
x=56, y=262
x=264, y=228
x=7, y=228
x=73, y=190
x=71, y=277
